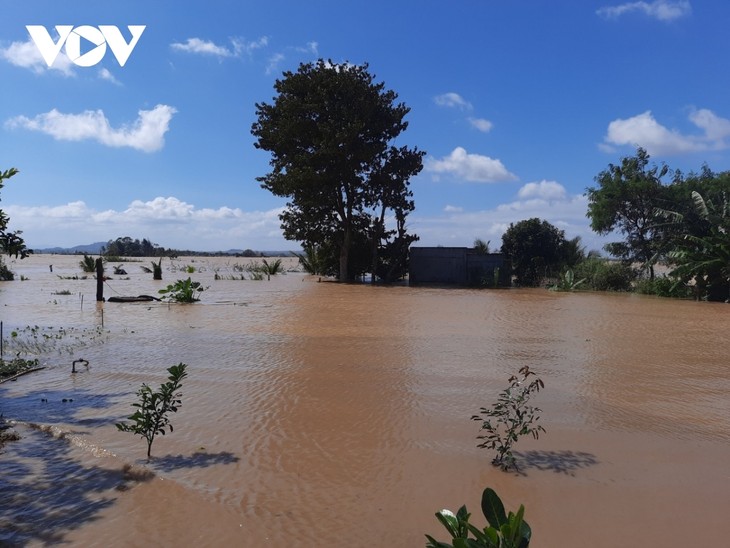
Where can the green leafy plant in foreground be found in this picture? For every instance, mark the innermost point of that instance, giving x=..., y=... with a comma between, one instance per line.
x=151, y=417
x=183, y=291
x=504, y=530
x=510, y=418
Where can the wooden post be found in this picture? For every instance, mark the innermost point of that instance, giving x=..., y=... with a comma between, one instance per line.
x=99, y=280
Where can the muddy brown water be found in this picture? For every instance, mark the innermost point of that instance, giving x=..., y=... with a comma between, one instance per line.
x=318, y=414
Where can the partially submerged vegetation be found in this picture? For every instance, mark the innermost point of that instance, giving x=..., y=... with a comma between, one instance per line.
x=251, y=271
x=17, y=366
x=183, y=291
x=36, y=340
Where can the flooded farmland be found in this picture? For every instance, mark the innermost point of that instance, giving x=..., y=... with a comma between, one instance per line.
x=321, y=414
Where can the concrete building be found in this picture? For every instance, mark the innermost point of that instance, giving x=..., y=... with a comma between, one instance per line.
x=456, y=266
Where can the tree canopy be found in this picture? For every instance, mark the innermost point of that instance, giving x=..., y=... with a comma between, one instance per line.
x=329, y=131
x=536, y=250
x=698, y=232
x=626, y=201
x=10, y=242
x=685, y=223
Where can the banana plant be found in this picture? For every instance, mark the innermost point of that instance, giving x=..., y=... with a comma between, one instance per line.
x=183, y=291
x=567, y=282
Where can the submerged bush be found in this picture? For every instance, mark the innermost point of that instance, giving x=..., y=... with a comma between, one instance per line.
x=6, y=275
x=567, y=282
x=605, y=275
x=10, y=368
x=88, y=264
x=183, y=291
x=663, y=286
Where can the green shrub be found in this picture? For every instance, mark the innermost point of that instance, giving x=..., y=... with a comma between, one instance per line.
x=663, y=286
x=504, y=530
x=605, y=275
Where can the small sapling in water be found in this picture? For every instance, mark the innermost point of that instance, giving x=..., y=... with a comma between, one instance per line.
x=151, y=417
x=511, y=417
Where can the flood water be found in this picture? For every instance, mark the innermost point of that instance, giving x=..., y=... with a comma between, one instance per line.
x=320, y=414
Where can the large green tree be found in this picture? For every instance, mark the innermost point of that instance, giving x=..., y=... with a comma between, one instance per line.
x=536, y=249
x=626, y=200
x=698, y=228
x=329, y=130
x=10, y=242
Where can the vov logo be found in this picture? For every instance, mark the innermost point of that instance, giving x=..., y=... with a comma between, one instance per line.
x=71, y=36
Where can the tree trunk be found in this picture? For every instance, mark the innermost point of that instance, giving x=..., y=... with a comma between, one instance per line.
x=344, y=254
x=99, y=280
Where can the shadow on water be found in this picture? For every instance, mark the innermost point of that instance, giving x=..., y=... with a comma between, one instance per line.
x=57, y=406
x=199, y=459
x=46, y=492
x=560, y=462
x=47, y=486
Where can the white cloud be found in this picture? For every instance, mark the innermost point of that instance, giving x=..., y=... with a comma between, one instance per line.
x=104, y=74
x=549, y=201
x=543, y=190
x=146, y=133
x=481, y=124
x=643, y=130
x=311, y=47
x=471, y=167
x=453, y=209
x=203, y=47
x=663, y=10
x=26, y=55
x=206, y=47
x=273, y=62
x=241, y=46
x=452, y=100
x=716, y=129
x=203, y=229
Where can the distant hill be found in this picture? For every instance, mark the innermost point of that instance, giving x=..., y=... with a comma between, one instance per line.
x=92, y=249
x=95, y=249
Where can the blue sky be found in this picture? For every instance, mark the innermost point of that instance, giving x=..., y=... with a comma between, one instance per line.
x=518, y=105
